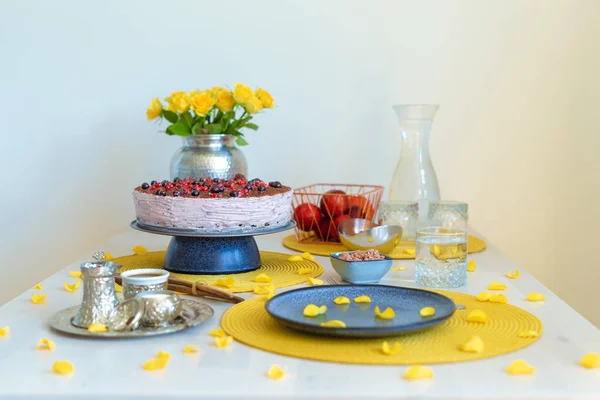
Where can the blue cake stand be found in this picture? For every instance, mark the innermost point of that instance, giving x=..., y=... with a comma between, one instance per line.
x=192, y=251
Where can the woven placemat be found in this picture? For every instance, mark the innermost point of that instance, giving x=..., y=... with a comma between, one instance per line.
x=404, y=251
x=249, y=323
x=276, y=265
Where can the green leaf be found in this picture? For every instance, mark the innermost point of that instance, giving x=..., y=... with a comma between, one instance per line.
x=170, y=116
x=180, y=128
x=169, y=131
x=188, y=119
x=252, y=126
x=214, y=128
x=241, y=141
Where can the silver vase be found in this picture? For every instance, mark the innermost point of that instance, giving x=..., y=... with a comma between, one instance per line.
x=207, y=155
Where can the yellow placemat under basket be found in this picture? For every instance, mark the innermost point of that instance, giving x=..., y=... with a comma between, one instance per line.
x=249, y=323
x=276, y=265
x=404, y=251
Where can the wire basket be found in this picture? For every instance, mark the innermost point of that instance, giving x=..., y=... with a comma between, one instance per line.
x=321, y=207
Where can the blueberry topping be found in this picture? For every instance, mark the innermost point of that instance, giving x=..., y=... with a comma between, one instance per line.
x=153, y=183
x=216, y=180
x=239, y=176
x=176, y=180
x=194, y=182
x=145, y=186
x=248, y=186
x=201, y=180
x=157, y=193
x=176, y=193
x=195, y=193
x=275, y=184
x=234, y=193
x=226, y=183
x=215, y=189
x=164, y=183
x=162, y=193
x=262, y=188
x=206, y=184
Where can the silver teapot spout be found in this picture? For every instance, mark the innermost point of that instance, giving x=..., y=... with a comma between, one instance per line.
x=99, y=297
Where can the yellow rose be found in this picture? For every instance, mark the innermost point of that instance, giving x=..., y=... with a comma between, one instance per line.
x=253, y=105
x=225, y=101
x=265, y=97
x=202, y=103
x=216, y=90
x=179, y=102
x=242, y=93
x=155, y=109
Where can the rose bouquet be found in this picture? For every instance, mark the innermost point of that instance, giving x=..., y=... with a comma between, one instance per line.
x=211, y=111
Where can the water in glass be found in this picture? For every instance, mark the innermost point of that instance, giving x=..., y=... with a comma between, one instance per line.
x=441, y=257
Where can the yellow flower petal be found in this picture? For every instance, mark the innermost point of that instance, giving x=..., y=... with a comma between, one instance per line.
x=411, y=251
x=96, y=327
x=262, y=278
x=76, y=274
x=362, y=299
x=334, y=323
x=415, y=372
x=427, y=311
x=38, y=298
x=314, y=281
x=496, y=286
x=73, y=287
x=295, y=258
x=163, y=354
x=139, y=249
x=304, y=270
x=498, y=298
x=39, y=286
x=398, y=269
x=118, y=288
x=387, y=314
x=62, y=367
x=4, y=331
x=222, y=342
x=275, y=372
x=390, y=350
x=590, y=360
x=217, y=333
x=477, y=316
x=484, y=296
x=191, y=349
x=266, y=289
x=156, y=363
x=529, y=334
x=307, y=256
x=107, y=256
x=516, y=274
x=341, y=300
x=313, y=310
x=520, y=367
x=471, y=266
x=46, y=344
x=473, y=345
x=535, y=296
x=227, y=282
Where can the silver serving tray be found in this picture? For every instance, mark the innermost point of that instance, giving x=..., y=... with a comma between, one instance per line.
x=160, y=230
x=193, y=313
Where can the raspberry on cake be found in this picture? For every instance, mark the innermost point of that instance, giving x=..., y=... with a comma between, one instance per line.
x=214, y=205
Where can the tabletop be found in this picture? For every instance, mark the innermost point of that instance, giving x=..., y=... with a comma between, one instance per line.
x=112, y=369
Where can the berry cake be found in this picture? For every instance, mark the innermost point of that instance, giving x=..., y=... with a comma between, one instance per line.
x=214, y=205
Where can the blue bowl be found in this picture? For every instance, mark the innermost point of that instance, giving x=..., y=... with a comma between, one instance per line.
x=370, y=271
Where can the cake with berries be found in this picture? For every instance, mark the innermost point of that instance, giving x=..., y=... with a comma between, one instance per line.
x=214, y=205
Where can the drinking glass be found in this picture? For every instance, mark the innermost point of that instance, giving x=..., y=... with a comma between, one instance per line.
x=442, y=246
x=402, y=213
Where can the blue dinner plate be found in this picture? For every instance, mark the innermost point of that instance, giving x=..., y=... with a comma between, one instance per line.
x=288, y=309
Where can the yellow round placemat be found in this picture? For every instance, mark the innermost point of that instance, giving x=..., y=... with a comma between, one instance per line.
x=276, y=265
x=248, y=322
x=404, y=251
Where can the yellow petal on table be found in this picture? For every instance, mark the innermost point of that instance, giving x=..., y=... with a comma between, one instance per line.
x=415, y=372
x=362, y=299
x=496, y=286
x=163, y=354
x=267, y=296
x=155, y=363
x=427, y=311
x=227, y=282
x=477, y=316
x=275, y=372
x=398, y=269
x=217, y=333
x=341, y=300
x=222, y=342
x=73, y=287
x=390, y=350
x=334, y=323
x=4, y=331
x=514, y=275
x=314, y=281
x=76, y=274
x=304, y=270
x=262, y=278
x=38, y=286
x=265, y=289
x=535, y=296
x=38, y=298
x=307, y=256
x=590, y=360
x=313, y=310
x=387, y=314
x=118, y=288
x=107, y=256
x=295, y=258
x=139, y=250
x=498, y=298
x=46, y=344
x=473, y=345
x=529, y=334
x=471, y=266
x=411, y=251
x=520, y=367
x=484, y=296
x=96, y=327
x=62, y=367
x=191, y=349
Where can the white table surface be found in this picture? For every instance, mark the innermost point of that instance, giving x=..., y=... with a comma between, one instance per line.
x=112, y=369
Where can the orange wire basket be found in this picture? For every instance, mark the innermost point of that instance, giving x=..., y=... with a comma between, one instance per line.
x=321, y=207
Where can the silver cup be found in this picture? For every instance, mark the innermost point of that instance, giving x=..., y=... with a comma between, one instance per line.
x=143, y=280
x=160, y=307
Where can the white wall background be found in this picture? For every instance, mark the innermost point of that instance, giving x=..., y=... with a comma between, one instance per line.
x=517, y=135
